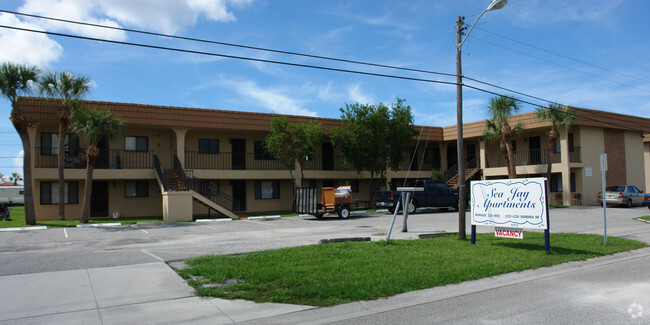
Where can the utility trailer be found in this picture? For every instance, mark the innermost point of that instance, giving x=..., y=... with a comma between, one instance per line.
x=12, y=194
x=334, y=200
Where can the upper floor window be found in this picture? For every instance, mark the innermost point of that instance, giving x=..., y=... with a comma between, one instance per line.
x=261, y=153
x=139, y=144
x=208, y=146
x=50, y=144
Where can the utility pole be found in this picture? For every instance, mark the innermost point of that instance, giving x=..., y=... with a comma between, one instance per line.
x=460, y=27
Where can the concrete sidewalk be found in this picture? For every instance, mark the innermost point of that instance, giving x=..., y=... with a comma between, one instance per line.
x=149, y=293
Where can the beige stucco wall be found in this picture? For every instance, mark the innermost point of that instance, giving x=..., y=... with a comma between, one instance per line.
x=592, y=145
x=646, y=162
x=634, y=160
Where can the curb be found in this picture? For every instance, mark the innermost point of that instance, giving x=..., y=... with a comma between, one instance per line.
x=213, y=220
x=99, y=225
x=24, y=228
x=264, y=218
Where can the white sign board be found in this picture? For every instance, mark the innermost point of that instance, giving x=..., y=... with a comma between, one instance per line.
x=509, y=233
x=515, y=203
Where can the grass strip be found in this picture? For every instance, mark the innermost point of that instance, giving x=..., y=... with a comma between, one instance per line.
x=336, y=273
x=17, y=214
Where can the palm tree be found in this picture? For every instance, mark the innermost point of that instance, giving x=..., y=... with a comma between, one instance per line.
x=94, y=125
x=68, y=88
x=15, y=177
x=498, y=128
x=561, y=117
x=15, y=80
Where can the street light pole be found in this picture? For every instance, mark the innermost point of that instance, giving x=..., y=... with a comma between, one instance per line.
x=460, y=27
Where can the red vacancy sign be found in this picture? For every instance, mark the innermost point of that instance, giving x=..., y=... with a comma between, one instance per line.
x=509, y=233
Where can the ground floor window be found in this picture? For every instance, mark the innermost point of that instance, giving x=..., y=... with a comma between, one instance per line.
x=136, y=189
x=354, y=185
x=50, y=193
x=267, y=189
x=556, y=182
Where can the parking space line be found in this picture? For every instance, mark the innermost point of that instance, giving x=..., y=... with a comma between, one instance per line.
x=152, y=255
x=144, y=231
x=65, y=232
x=213, y=228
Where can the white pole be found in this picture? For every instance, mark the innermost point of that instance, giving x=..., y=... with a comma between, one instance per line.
x=603, y=168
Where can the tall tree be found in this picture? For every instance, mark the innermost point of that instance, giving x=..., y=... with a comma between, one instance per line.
x=292, y=144
x=561, y=117
x=93, y=125
x=374, y=138
x=68, y=88
x=498, y=128
x=15, y=177
x=16, y=80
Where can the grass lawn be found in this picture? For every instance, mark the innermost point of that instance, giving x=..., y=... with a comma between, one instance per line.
x=17, y=214
x=336, y=273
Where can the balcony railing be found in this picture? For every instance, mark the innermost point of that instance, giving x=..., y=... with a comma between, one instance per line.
x=325, y=162
x=531, y=157
x=229, y=160
x=111, y=158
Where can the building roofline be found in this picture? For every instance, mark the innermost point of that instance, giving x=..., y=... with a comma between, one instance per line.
x=38, y=108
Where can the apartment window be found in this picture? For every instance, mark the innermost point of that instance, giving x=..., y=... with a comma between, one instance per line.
x=514, y=146
x=354, y=185
x=571, y=143
x=556, y=182
x=208, y=146
x=267, y=189
x=50, y=144
x=50, y=193
x=261, y=153
x=308, y=183
x=136, y=189
x=140, y=144
x=557, y=147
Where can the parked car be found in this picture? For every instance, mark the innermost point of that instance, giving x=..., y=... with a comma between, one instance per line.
x=646, y=200
x=426, y=194
x=623, y=195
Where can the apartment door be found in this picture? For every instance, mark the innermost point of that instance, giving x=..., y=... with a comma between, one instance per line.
x=99, y=199
x=238, y=153
x=471, y=155
x=239, y=194
x=534, y=144
x=328, y=156
x=103, y=158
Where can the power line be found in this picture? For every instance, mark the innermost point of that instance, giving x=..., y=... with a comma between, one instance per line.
x=564, y=56
x=228, y=56
x=229, y=44
x=561, y=65
x=299, y=54
x=298, y=65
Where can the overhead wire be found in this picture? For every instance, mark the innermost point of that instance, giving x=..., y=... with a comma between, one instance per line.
x=278, y=62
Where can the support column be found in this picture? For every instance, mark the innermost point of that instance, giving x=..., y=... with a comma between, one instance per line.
x=566, y=171
x=482, y=156
x=443, y=156
x=180, y=144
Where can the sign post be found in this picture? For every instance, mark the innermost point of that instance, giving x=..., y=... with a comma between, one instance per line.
x=603, y=169
x=511, y=205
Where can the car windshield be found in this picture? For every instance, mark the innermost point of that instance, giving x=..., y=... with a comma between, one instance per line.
x=617, y=188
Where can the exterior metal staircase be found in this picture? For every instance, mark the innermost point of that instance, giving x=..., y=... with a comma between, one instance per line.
x=177, y=179
x=451, y=175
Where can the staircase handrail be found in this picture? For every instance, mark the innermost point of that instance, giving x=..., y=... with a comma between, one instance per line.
x=204, y=188
x=161, y=173
x=453, y=171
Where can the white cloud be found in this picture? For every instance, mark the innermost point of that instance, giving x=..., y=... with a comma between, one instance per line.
x=356, y=95
x=551, y=11
x=18, y=161
x=275, y=100
x=26, y=47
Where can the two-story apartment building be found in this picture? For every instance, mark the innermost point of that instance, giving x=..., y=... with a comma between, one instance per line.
x=181, y=162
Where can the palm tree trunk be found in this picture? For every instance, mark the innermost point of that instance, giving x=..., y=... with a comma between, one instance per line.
x=30, y=215
x=63, y=125
x=512, y=171
x=90, y=167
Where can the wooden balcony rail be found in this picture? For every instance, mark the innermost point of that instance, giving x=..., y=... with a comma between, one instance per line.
x=531, y=157
x=230, y=160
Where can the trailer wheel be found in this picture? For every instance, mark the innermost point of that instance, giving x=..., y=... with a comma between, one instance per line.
x=412, y=207
x=344, y=212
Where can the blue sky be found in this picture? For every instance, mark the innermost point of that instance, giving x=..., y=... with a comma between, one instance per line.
x=603, y=46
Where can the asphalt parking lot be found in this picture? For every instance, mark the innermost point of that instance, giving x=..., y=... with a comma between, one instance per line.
x=59, y=249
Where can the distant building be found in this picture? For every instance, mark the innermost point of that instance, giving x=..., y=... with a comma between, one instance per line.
x=179, y=162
